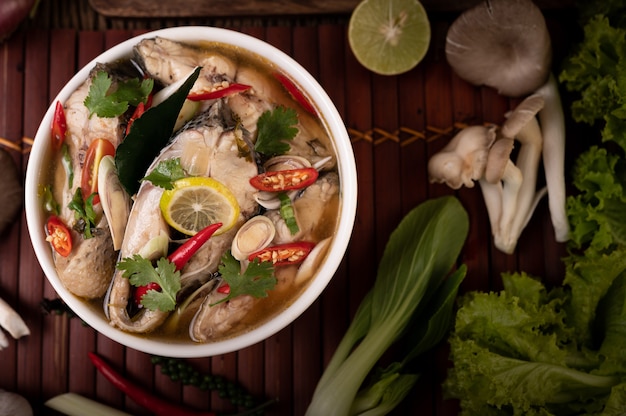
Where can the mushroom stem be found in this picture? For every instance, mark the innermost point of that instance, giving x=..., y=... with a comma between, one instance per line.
x=553, y=129
x=511, y=184
x=11, y=321
x=492, y=195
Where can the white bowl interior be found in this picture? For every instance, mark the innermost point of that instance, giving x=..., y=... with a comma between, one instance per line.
x=347, y=172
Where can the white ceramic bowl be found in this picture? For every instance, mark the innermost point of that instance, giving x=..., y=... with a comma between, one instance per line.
x=347, y=171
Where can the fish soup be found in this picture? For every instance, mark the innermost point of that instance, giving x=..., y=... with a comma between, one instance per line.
x=241, y=146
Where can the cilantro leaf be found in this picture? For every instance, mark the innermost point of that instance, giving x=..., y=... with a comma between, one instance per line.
x=275, y=131
x=165, y=173
x=83, y=213
x=106, y=103
x=255, y=281
x=140, y=272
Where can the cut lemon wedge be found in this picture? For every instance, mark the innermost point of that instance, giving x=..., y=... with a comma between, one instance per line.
x=389, y=37
x=196, y=202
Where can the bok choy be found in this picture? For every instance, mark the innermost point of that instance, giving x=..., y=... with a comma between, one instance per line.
x=411, y=298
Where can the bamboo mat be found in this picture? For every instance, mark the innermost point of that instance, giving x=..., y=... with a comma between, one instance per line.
x=395, y=124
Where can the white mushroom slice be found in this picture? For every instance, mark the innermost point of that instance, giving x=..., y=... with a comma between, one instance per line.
x=256, y=234
x=313, y=261
x=115, y=200
x=11, y=321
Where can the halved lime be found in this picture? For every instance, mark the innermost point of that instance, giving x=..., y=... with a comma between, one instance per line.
x=197, y=202
x=389, y=37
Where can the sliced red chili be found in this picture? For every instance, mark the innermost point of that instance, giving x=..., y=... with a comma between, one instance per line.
x=59, y=126
x=224, y=289
x=284, y=254
x=295, y=92
x=89, y=179
x=59, y=236
x=284, y=180
x=142, y=290
x=218, y=93
x=139, y=110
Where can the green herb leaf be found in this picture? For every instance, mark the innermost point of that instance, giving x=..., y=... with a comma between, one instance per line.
x=140, y=272
x=106, y=103
x=150, y=133
x=66, y=160
x=166, y=173
x=83, y=213
x=255, y=281
x=275, y=131
x=287, y=213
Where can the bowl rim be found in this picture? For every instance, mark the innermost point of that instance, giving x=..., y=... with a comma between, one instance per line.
x=339, y=244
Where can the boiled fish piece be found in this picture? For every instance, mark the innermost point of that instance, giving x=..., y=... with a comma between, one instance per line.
x=207, y=146
x=88, y=269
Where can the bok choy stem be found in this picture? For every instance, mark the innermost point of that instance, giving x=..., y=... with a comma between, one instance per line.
x=418, y=257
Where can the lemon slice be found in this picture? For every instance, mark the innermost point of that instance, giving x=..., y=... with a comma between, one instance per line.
x=389, y=37
x=197, y=202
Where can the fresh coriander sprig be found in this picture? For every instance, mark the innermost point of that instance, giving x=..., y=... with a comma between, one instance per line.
x=83, y=213
x=275, y=130
x=255, y=281
x=166, y=173
x=105, y=102
x=141, y=272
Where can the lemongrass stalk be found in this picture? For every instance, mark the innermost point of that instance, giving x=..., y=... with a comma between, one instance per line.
x=73, y=404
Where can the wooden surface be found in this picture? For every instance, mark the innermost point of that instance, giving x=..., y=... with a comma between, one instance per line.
x=395, y=124
x=194, y=8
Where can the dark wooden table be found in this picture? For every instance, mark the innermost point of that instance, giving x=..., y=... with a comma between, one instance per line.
x=395, y=124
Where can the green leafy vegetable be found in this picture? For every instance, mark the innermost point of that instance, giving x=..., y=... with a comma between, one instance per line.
x=83, y=213
x=104, y=102
x=150, y=133
x=418, y=257
x=141, y=272
x=287, y=213
x=531, y=349
x=276, y=129
x=166, y=173
x=255, y=281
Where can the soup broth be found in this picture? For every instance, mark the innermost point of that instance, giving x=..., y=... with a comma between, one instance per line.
x=219, y=141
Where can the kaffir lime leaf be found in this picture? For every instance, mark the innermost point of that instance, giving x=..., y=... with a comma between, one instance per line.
x=389, y=37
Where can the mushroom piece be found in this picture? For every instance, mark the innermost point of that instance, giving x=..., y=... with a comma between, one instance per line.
x=509, y=189
x=11, y=322
x=462, y=161
x=505, y=44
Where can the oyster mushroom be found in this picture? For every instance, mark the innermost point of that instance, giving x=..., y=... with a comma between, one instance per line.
x=505, y=44
x=482, y=154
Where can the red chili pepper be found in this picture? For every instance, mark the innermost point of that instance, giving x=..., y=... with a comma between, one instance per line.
x=219, y=93
x=183, y=253
x=140, y=396
x=284, y=254
x=59, y=126
x=295, y=92
x=142, y=290
x=59, y=236
x=224, y=289
x=284, y=180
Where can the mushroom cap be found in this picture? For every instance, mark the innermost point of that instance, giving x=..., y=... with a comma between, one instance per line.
x=522, y=115
x=503, y=44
